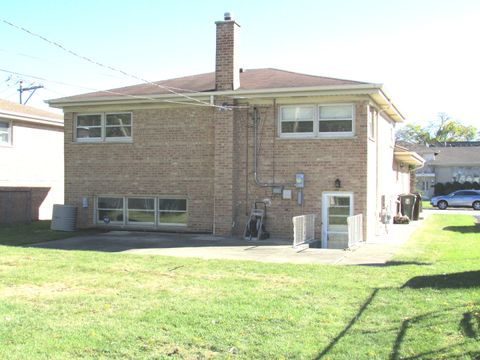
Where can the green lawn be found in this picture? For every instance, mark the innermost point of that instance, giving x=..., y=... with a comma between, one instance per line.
x=426, y=204
x=424, y=305
x=38, y=231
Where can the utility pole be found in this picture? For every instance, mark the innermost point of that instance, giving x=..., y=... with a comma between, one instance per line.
x=21, y=89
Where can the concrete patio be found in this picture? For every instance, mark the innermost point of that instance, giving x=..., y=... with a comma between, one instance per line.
x=373, y=252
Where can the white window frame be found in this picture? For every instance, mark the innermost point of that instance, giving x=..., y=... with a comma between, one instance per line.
x=172, y=211
x=297, y=135
x=336, y=133
x=97, y=209
x=9, y=133
x=103, y=123
x=127, y=210
x=126, y=223
x=316, y=123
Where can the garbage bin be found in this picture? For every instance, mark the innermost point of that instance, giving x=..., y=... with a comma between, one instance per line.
x=407, y=204
x=417, y=208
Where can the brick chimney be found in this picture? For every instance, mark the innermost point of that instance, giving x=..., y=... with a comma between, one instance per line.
x=227, y=71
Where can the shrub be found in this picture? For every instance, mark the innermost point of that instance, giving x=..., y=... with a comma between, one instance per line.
x=439, y=189
x=448, y=187
x=401, y=219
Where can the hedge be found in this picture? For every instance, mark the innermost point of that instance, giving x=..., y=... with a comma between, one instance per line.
x=447, y=188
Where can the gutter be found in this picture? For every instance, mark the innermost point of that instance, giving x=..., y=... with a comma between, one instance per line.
x=386, y=104
x=410, y=158
x=293, y=91
x=30, y=118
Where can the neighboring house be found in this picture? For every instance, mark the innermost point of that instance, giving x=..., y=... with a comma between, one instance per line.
x=147, y=157
x=448, y=162
x=31, y=162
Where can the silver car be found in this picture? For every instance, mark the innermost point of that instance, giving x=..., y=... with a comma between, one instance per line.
x=459, y=198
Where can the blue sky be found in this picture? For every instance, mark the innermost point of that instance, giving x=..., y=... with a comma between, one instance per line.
x=425, y=52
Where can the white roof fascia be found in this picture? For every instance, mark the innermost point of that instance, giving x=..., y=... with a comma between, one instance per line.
x=30, y=118
x=387, y=105
x=297, y=91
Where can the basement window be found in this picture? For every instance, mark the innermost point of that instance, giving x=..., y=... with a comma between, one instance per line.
x=317, y=121
x=103, y=127
x=141, y=211
x=110, y=210
x=172, y=211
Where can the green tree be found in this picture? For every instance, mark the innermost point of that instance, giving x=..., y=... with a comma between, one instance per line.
x=439, y=131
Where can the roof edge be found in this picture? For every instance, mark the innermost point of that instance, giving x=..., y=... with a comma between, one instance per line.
x=30, y=118
x=59, y=103
x=409, y=157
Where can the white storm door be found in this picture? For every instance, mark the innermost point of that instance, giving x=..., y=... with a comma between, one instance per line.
x=336, y=208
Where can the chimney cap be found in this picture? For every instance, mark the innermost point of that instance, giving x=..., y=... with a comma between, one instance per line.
x=227, y=16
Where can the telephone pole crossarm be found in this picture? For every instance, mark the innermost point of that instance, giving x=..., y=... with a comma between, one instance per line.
x=21, y=89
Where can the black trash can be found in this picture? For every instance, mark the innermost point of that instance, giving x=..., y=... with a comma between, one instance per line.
x=407, y=205
x=417, y=209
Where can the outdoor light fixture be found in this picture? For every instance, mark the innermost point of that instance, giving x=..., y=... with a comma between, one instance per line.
x=338, y=184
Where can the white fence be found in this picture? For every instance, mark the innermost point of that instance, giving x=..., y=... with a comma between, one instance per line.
x=355, y=229
x=303, y=229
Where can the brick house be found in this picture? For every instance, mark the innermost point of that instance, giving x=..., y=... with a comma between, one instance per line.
x=194, y=153
x=31, y=162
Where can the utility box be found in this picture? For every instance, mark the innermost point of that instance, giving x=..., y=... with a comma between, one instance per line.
x=300, y=180
x=407, y=205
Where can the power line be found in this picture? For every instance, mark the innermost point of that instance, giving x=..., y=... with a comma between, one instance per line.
x=105, y=91
x=63, y=48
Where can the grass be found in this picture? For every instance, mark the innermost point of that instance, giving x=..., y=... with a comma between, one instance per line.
x=426, y=204
x=38, y=231
x=66, y=304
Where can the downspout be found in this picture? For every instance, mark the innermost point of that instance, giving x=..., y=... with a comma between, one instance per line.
x=255, y=155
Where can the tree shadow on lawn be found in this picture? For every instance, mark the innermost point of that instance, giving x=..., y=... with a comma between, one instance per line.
x=342, y=333
x=466, y=279
x=469, y=324
x=397, y=263
x=463, y=229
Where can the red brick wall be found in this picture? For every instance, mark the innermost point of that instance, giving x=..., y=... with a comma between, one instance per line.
x=172, y=154
x=321, y=160
x=206, y=155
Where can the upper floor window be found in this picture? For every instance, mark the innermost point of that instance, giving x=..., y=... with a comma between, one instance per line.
x=317, y=121
x=297, y=120
x=5, y=133
x=103, y=127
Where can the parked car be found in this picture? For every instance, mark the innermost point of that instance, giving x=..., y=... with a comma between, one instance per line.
x=459, y=198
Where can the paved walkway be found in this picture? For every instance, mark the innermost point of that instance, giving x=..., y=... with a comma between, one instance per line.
x=376, y=251
x=373, y=252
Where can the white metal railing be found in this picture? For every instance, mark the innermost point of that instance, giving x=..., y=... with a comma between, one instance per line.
x=303, y=229
x=355, y=229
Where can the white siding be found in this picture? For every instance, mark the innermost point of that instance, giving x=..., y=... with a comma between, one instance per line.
x=35, y=159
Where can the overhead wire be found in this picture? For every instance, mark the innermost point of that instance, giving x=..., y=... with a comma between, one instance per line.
x=99, y=90
x=71, y=52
